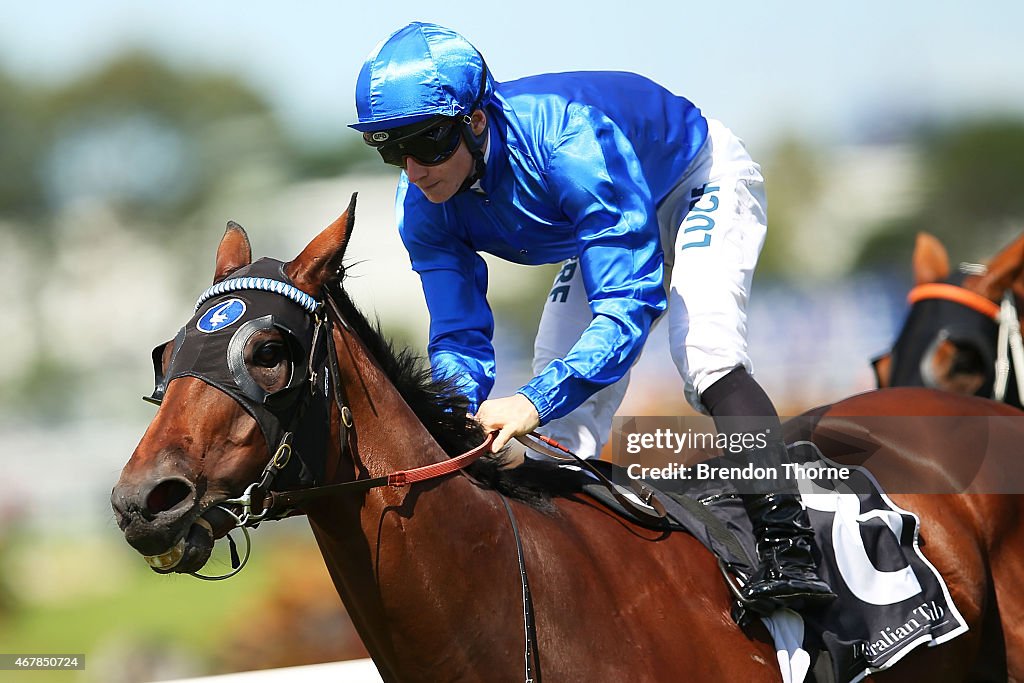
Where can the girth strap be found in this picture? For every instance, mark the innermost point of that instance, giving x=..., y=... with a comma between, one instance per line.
x=532, y=653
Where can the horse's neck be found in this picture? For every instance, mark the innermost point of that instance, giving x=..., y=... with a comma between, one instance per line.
x=386, y=551
x=386, y=435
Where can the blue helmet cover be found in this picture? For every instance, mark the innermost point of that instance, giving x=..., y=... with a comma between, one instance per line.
x=419, y=71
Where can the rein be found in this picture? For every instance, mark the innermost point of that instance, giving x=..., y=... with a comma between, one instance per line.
x=636, y=497
x=286, y=499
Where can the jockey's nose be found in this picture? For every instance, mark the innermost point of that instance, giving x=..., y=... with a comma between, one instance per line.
x=415, y=170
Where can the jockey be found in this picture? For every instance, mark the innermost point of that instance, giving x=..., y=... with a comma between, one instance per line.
x=649, y=204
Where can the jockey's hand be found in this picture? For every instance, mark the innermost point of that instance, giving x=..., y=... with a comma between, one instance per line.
x=511, y=416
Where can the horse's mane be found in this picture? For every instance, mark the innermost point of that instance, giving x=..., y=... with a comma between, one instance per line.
x=442, y=409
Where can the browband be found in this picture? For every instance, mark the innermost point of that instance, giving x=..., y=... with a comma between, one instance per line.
x=261, y=283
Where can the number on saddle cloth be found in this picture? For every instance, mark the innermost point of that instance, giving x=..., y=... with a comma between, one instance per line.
x=891, y=599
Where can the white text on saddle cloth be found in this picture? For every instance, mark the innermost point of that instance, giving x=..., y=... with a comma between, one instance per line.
x=852, y=560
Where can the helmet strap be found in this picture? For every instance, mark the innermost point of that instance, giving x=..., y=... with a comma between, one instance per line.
x=475, y=144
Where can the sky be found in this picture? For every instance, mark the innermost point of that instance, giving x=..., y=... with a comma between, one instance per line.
x=831, y=71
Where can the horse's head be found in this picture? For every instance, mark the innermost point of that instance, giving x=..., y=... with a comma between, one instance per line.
x=949, y=339
x=232, y=387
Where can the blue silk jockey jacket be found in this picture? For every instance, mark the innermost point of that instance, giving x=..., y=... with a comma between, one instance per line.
x=577, y=164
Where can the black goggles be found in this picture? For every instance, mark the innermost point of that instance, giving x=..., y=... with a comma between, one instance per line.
x=429, y=143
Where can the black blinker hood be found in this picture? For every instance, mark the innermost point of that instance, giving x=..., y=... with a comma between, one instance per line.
x=211, y=347
x=930, y=320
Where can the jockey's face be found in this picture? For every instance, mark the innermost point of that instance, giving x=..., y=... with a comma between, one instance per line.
x=440, y=182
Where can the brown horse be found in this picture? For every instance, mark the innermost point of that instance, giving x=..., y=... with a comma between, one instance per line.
x=949, y=340
x=429, y=572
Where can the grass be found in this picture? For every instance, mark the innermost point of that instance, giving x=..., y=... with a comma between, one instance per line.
x=120, y=608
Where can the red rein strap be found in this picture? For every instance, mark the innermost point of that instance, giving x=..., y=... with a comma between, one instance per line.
x=286, y=499
x=530, y=441
x=439, y=469
x=964, y=297
x=551, y=442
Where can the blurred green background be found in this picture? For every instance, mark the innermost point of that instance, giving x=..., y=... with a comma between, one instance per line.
x=130, y=133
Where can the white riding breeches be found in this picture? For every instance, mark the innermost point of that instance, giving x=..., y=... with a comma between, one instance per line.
x=713, y=225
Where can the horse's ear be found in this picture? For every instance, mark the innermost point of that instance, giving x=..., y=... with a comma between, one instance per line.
x=233, y=253
x=931, y=262
x=1004, y=270
x=321, y=260
x=882, y=365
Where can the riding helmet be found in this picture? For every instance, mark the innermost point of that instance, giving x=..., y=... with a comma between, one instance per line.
x=420, y=71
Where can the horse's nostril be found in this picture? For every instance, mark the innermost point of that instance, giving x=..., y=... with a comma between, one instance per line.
x=167, y=495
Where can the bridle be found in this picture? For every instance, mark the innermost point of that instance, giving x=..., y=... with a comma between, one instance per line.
x=319, y=387
x=1009, y=345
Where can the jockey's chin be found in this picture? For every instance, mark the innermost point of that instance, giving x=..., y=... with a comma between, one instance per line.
x=439, y=183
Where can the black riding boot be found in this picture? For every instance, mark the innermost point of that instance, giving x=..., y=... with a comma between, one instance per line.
x=785, y=540
x=784, y=536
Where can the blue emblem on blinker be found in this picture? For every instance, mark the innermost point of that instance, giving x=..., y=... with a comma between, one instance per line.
x=221, y=315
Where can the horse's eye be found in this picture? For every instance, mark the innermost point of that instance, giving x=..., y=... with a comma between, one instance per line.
x=269, y=354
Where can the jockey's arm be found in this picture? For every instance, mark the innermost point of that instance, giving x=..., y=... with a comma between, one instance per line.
x=596, y=180
x=454, y=280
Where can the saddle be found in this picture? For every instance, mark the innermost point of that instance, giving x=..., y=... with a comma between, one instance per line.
x=891, y=599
